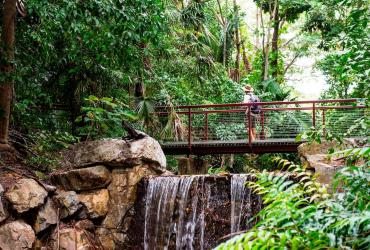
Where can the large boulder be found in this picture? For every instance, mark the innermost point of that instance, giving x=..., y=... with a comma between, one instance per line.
x=117, y=153
x=3, y=212
x=84, y=178
x=122, y=192
x=122, y=196
x=96, y=202
x=26, y=194
x=46, y=216
x=68, y=202
x=74, y=238
x=16, y=235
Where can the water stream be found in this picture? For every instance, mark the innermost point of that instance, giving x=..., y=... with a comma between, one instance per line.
x=238, y=200
x=181, y=211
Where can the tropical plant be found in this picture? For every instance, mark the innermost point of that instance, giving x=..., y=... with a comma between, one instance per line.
x=300, y=214
x=103, y=117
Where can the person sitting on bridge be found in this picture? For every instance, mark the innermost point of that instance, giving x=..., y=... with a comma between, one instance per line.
x=249, y=97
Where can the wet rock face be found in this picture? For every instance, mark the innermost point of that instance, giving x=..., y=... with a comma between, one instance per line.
x=84, y=179
x=16, y=235
x=118, y=153
x=26, y=194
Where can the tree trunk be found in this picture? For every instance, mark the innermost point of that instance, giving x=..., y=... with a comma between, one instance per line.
x=257, y=45
x=247, y=65
x=237, y=43
x=224, y=50
x=274, y=42
x=6, y=67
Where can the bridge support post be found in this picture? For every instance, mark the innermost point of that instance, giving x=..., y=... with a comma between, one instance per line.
x=192, y=166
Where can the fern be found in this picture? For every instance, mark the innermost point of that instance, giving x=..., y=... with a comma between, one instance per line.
x=300, y=214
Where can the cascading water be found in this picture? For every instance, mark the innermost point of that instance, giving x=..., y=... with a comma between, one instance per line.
x=161, y=223
x=238, y=200
x=192, y=212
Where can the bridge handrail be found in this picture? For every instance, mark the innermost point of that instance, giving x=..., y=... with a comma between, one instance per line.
x=205, y=109
x=262, y=103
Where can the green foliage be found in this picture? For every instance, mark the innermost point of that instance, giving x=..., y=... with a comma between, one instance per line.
x=344, y=29
x=216, y=170
x=103, y=117
x=299, y=214
x=227, y=132
x=43, y=146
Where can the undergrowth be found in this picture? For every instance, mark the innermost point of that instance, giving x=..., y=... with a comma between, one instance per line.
x=300, y=214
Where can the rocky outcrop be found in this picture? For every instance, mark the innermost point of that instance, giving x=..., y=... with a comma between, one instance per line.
x=26, y=194
x=117, y=153
x=96, y=202
x=316, y=157
x=68, y=202
x=74, y=238
x=3, y=212
x=16, y=235
x=122, y=191
x=83, y=179
x=46, y=216
x=91, y=204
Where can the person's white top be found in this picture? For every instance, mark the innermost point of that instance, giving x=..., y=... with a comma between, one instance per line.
x=247, y=98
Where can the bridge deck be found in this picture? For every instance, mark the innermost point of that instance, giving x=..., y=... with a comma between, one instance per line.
x=233, y=146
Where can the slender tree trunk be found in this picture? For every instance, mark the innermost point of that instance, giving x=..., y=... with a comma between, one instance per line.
x=247, y=65
x=274, y=42
x=266, y=55
x=6, y=67
x=257, y=30
x=224, y=52
x=237, y=43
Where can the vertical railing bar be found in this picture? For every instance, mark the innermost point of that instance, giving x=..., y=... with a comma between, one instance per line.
x=323, y=123
x=206, y=126
x=189, y=130
x=262, y=125
x=313, y=115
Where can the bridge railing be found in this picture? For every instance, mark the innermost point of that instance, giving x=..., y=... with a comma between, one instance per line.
x=276, y=120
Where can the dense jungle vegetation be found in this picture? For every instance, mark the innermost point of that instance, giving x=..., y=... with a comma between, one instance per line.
x=73, y=70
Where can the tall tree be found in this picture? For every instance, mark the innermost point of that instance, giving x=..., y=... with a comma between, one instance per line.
x=237, y=43
x=6, y=68
x=279, y=11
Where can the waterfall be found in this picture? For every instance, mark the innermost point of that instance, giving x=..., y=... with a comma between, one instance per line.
x=193, y=212
x=164, y=196
x=238, y=201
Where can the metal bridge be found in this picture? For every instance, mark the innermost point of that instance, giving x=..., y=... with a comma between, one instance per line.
x=226, y=128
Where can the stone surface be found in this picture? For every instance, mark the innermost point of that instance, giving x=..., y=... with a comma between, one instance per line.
x=3, y=211
x=86, y=225
x=96, y=202
x=26, y=194
x=68, y=202
x=84, y=178
x=46, y=216
x=122, y=192
x=192, y=166
x=111, y=239
x=16, y=235
x=117, y=153
x=74, y=238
